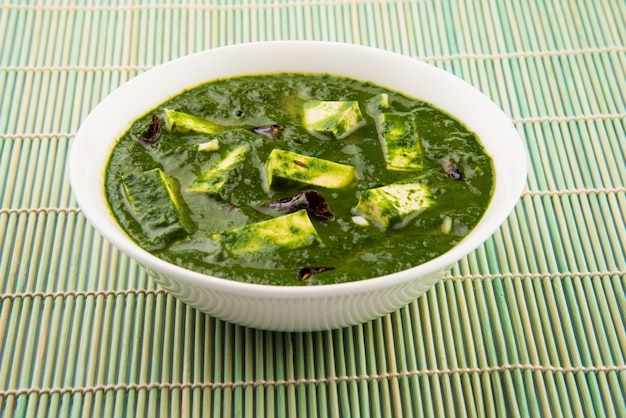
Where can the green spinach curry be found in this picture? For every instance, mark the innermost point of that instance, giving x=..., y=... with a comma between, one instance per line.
x=297, y=179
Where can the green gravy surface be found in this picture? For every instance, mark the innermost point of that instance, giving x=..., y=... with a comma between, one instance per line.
x=355, y=252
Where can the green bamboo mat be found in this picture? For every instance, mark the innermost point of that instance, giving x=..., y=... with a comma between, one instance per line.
x=533, y=323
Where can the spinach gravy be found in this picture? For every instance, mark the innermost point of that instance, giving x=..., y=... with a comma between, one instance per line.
x=297, y=179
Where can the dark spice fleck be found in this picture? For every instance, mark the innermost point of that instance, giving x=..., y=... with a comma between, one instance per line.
x=269, y=131
x=450, y=170
x=306, y=272
x=154, y=130
x=314, y=203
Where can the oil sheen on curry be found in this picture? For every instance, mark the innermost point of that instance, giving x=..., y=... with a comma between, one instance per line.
x=297, y=179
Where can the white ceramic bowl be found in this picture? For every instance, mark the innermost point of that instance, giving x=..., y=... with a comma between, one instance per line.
x=295, y=308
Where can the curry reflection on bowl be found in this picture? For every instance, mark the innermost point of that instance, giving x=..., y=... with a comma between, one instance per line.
x=295, y=308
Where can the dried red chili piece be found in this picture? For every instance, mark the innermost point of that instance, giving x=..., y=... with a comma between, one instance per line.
x=314, y=203
x=269, y=131
x=290, y=204
x=318, y=206
x=306, y=272
x=154, y=130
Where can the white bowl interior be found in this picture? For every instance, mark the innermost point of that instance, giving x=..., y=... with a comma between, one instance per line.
x=114, y=115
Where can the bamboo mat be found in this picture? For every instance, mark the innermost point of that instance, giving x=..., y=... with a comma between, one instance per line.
x=533, y=323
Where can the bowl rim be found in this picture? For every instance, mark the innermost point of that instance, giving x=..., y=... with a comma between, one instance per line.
x=119, y=239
